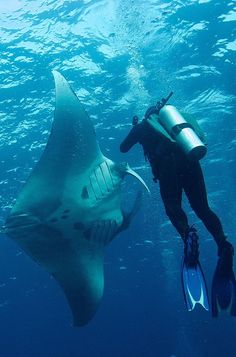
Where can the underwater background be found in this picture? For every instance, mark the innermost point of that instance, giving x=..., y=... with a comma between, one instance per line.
x=120, y=56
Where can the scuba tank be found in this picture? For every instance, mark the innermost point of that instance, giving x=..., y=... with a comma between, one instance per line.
x=180, y=130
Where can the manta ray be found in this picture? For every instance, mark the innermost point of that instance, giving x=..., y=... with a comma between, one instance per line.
x=70, y=207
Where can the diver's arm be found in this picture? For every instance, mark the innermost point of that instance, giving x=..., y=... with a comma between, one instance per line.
x=130, y=140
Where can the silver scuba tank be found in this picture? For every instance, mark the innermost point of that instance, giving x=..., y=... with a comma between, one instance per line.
x=182, y=132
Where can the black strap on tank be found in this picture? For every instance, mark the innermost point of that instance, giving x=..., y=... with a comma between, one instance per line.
x=177, y=128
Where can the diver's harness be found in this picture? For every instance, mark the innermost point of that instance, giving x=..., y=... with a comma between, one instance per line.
x=171, y=123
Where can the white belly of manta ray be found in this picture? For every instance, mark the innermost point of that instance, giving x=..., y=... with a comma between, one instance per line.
x=70, y=206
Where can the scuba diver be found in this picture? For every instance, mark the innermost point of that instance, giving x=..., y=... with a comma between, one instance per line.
x=173, y=144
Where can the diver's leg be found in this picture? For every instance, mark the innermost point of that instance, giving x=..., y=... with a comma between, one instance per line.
x=195, y=189
x=224, y=283
x=171, y=194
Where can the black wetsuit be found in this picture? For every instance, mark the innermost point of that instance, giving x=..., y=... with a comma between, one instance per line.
x=175, y=174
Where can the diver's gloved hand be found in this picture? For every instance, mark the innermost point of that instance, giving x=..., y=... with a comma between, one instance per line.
x=225, y=253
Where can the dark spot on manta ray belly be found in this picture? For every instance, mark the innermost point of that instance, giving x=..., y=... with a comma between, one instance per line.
x=78, y=226
x=53, y=220
x=66, y=211
x=65, y=216
x=85, y=194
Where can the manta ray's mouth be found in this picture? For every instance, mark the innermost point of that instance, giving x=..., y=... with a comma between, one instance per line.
x=20, y=221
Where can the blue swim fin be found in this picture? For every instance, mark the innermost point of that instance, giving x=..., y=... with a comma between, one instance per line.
x=194, y=286
x=223, y=292
x=224, y=284
x=193, y=281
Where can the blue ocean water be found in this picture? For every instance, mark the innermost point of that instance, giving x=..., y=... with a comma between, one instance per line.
x=120, y=56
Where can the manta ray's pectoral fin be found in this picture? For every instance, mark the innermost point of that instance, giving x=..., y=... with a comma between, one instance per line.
x=81, y=275
x=82, y=280
x=76, y=262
